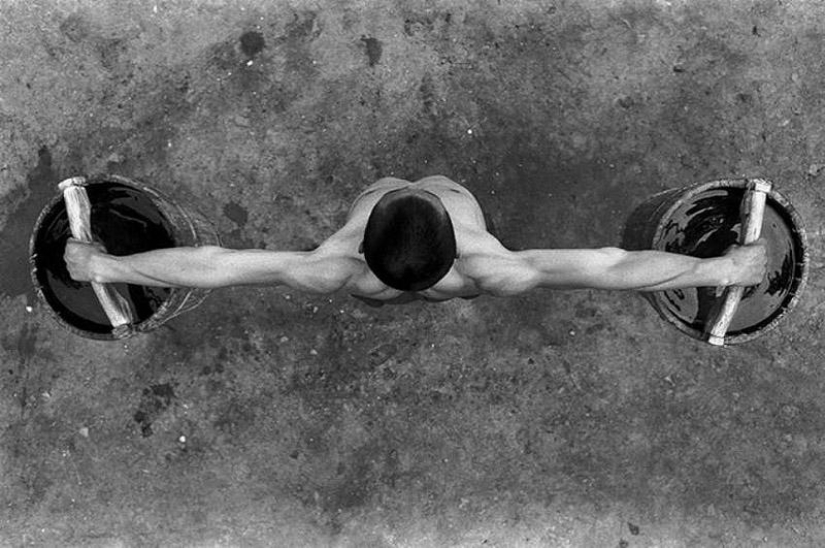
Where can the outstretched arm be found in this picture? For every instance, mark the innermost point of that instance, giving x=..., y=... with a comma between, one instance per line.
x=612, y=268
x=212, y=267
x=504, y=272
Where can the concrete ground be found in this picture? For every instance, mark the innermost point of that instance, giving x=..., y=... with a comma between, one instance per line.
x=270, y=418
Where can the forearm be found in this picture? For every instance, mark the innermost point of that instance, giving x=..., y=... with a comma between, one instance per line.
x=616, y=269
x=659, y=271
x=203, y=267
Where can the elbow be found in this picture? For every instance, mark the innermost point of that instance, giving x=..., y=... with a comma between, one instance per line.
x=320, y=276
x=511, y=284
x=610, y=270
x=325, y=284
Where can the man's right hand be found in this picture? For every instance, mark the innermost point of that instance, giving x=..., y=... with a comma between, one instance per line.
x=80, y=259
x=749, y=263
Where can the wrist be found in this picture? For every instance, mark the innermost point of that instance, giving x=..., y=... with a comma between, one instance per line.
x=102, y=267
x=718, y=271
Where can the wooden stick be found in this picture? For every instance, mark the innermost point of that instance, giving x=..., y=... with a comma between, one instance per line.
x=79, y=210
x=752, y=213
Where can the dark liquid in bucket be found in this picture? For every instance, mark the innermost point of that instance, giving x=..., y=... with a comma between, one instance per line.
x=706, y=227
x=125, y=221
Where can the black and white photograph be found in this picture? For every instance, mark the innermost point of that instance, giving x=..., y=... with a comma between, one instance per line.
x=412, y=273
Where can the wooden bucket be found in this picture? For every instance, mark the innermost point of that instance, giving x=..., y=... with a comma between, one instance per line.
x=704, y=221
x=127, y=217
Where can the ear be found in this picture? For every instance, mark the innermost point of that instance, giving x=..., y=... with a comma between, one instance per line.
x=361, y=247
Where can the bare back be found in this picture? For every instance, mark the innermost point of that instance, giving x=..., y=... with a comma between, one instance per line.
x=468, y=224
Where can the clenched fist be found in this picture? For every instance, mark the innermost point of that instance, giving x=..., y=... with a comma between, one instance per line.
x=749, y=263
x=81, y=258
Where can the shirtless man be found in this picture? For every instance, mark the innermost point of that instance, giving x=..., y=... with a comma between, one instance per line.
x=426, y=240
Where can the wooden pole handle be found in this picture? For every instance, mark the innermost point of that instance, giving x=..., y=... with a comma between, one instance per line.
x=79, y=210
x=752, y=213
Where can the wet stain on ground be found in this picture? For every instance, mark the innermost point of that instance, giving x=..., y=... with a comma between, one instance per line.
x=154, y=401
x=236, y=213
x=76, y=28
x=252, y=43
x=374, y=49
x=41, y=184
x=26, y=346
